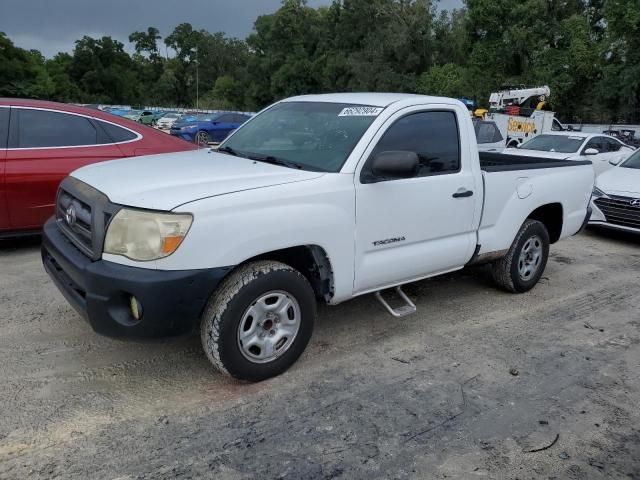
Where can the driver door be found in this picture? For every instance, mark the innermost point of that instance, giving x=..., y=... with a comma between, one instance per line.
x=416, y=227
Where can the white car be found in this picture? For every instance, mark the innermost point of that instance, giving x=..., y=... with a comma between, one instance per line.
x=167, y=120
x=488, y=136
x=616, y=197
x=604, y=151
x=319, y=197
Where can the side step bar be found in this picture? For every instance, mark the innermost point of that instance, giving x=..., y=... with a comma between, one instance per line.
x=407, y=309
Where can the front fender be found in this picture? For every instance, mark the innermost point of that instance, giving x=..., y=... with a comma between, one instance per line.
x=230, y=229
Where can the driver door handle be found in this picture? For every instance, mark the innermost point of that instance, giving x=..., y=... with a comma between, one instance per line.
x=463, y=193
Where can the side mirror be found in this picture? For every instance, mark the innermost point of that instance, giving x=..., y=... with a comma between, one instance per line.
x=591, y=151
x=615, y=162
x=395, y=164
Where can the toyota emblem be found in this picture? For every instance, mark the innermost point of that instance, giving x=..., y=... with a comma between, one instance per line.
x=635, y=203
x=70, y=215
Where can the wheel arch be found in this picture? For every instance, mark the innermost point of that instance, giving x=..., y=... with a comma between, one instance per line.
x=551, y=216
x=312, y=261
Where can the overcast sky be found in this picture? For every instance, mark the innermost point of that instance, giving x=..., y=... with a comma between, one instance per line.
x=53, y=25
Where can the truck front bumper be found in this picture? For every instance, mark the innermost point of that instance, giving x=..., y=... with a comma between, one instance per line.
x=168, y=302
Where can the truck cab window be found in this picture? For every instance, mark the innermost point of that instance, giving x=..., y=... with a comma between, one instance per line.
x=432, y=135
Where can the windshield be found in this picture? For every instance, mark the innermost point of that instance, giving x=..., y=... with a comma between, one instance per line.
x=554, y=143
x=318, y=136
x=171, y=115
x=187, y=118
x=205, y=117
x=633, y=161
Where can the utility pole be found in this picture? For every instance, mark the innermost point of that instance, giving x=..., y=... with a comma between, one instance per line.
x=197, y=81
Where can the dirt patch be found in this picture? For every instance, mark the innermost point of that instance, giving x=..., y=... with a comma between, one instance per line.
x=432, y=395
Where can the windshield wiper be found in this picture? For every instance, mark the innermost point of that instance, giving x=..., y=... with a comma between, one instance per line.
x=228, y=150
x=282, y=162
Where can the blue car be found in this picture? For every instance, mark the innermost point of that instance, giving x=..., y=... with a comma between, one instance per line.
x=207, y=128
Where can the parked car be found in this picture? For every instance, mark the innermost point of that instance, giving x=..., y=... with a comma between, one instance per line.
x=133, y=115
x=616, y=196
x=603, y=150
x=119, y=111
x=147, y=117
x=167, y=120
x=208, y=128
x=150, y=117
x=42, y=142
x=318, y=197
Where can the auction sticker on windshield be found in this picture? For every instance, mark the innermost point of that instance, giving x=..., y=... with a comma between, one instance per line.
x=360, y=112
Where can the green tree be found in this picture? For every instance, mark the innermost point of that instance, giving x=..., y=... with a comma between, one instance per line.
x=184, y=42
x=64, y=88
x=448, y=80
x=22, y=72
x=148, y=62
x=619, y=88
x=146, y=42
x=104, y=71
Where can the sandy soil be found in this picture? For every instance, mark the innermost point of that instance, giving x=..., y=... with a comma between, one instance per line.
x=469, y=387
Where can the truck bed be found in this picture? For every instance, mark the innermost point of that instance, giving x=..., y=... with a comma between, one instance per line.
x=516, y=185
x=502, y=162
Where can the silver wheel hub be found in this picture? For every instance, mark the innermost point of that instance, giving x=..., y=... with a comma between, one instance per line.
x=530, y=258
x=269, y=326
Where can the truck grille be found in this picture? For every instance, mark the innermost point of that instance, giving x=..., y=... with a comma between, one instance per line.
x=619, y=210
x=75, y=216
x=83, y=214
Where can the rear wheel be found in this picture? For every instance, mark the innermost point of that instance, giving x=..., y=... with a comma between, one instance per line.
x=259, y=321
x=202, y=138
x=523, y=265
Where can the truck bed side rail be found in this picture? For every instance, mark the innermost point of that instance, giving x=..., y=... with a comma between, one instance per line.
x=503, y=162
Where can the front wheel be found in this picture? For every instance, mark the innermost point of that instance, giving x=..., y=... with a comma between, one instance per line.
x=259, y=321
x=523, y=265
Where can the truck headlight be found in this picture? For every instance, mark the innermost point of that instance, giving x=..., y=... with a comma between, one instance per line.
x=144, y=235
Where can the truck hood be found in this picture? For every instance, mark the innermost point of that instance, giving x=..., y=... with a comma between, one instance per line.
x=537, y=153
x=620, y=181
x=166, y=181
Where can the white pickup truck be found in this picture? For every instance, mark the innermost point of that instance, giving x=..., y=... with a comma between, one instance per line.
x=322, y=197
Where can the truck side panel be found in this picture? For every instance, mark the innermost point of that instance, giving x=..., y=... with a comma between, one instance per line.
x=239, y=226
x=511, y=196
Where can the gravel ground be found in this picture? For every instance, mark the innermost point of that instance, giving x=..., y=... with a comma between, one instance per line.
x=477, y=384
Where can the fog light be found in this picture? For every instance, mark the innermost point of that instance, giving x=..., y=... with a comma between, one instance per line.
x=136, y=307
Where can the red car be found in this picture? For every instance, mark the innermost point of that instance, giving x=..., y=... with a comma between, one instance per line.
x=42, y=142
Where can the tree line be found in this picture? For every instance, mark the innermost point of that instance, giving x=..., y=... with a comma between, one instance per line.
x=587, y=51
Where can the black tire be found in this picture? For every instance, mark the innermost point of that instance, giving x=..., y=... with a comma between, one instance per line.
x=229, y=305
x=203, y=138
x=507, y=270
